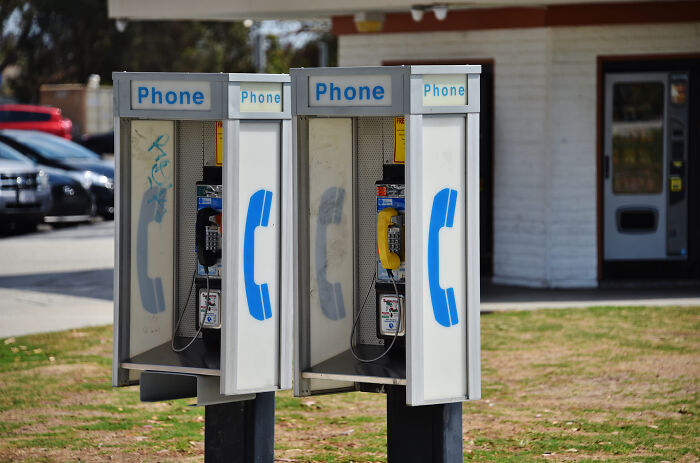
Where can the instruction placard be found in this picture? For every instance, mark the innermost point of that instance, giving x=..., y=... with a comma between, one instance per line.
x=219, y=142
x=399, y=140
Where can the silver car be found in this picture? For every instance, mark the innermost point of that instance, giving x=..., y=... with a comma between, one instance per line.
x=25, y=195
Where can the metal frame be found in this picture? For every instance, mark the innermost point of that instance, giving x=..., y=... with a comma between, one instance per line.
x=126, y=372
x=410, y=105
x=399, y=95
x=157, y=386
x=122, y=227
x=473, y=93
x=122, y=102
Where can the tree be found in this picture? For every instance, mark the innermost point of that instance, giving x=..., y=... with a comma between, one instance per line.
x=66, y=41
x=282, y=57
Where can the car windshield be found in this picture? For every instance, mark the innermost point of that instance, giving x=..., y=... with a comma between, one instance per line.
x=8, y=152
x=54, y=147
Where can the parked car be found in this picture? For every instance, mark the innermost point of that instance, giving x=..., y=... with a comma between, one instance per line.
x=100, y=143
x=69, y=201
x=33, y=117
x=25, y=197
x=84, y=165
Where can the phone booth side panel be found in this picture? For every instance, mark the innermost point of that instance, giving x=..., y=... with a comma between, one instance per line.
x=443, y=274
x=254, y=287
x=152, y=155
x=440, y=196
x=256, y=341
x=331, y=235
x=120, y=376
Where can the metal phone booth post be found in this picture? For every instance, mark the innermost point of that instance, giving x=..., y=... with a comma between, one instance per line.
x=203, y=245
x=386, y=178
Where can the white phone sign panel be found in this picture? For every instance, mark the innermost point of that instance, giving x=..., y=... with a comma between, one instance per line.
x=444, y=90
x=442, y=372
x=261, y=97
x=152, y=210
x=256, y=309
x=331, y=236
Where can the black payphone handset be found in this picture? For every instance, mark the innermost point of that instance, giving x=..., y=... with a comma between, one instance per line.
x=208, y=248
x=207, y=232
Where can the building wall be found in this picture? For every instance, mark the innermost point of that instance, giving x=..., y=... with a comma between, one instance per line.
x=572, y=223
x=545, y=231
x=89, y=108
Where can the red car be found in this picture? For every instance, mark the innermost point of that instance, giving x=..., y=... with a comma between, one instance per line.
x=33, y=117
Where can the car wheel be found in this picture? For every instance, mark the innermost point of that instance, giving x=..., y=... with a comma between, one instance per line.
x=26, y=226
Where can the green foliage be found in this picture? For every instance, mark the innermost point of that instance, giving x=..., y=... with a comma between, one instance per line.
x=282, y=57
x=49, y=41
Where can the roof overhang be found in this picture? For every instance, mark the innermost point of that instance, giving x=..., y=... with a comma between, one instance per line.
x=229, y=10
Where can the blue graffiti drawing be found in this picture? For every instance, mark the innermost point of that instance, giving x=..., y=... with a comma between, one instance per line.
x=151, y=289
x=159, y=197
x=442, y=215
x=160, y=171
x=161, y=174
x=258, y=216
x=153, y=209
x=330, y=294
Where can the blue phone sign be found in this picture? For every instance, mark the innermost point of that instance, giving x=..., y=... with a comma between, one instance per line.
x=258, y=295
x=441, y=216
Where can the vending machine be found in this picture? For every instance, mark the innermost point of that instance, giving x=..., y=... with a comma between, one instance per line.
x=646, y=166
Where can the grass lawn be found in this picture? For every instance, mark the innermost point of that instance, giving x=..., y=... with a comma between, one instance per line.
x=607, y=383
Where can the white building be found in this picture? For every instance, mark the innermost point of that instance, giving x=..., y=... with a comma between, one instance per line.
x=591, y=136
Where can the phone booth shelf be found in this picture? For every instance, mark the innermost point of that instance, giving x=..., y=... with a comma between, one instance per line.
x=183, y=142
x=417, y=129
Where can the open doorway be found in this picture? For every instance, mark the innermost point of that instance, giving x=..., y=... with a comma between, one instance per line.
x=485, y=153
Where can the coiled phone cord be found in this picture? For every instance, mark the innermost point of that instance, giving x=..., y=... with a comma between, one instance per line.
x=182, y=313
x=357, y=318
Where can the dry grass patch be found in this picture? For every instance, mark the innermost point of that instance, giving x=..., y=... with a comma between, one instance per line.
x=599, y=384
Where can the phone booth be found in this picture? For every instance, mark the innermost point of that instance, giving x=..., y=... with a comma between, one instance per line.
x=204, y=235
x=387, y=230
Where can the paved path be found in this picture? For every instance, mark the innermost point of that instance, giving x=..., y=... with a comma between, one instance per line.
x=55, y=280
x=498, y=297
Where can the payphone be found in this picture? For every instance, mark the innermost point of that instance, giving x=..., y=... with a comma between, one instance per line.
x=204, y=235
x=387, y=263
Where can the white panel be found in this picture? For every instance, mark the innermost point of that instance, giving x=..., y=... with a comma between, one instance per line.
x=331, y=236
x=257, y=306
x=261, y=97
x=442, y=201
x=444, y=89
x=152, y=212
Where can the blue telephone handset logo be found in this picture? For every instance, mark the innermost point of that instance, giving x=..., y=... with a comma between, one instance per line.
x=330, y=294
x=258, y=216
x=151, y=289
x=442, y=215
